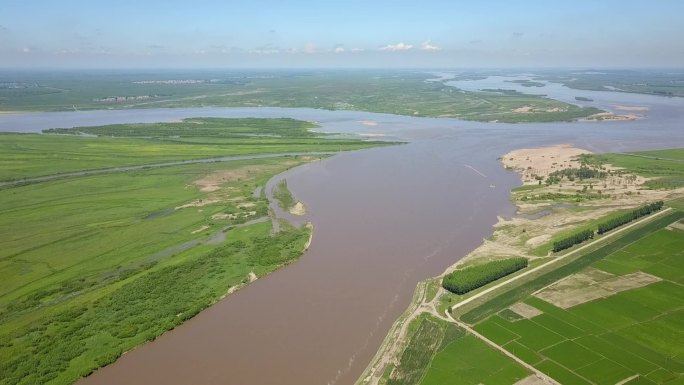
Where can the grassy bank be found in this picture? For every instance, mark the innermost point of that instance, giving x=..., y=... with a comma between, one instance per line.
x=283, y=195
x=31, y=155
x=92, y=266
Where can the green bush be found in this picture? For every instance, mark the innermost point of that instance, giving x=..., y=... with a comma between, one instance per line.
x=470, y=278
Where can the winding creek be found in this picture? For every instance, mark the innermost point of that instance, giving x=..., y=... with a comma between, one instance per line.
x=384, y=219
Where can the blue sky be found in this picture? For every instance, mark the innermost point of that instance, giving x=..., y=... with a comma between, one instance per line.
x=350, y=33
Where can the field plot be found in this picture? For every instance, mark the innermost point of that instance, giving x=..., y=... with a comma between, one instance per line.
x=467, y=360
x=633, y=330
x=441, y=353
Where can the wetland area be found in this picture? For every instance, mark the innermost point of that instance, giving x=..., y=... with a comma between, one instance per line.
x=384, y=219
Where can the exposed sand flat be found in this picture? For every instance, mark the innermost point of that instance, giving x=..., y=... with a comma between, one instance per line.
x=200, y=229
x=309, y=226
x=630, y=108
x=609, y=116
x=542, y=161
x=298, y=209
x=369, y=123
x=370, y=135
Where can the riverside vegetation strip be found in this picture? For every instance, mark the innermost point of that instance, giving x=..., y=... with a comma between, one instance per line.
x=394, y=92
x=95, y=265
x=623, y=320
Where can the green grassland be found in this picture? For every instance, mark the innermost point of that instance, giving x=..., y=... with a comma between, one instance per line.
x=78, y=244
x=637, y=332
x=665, y=166
x=92, y=266
x=283, y=195
x=398, y=92
x=31, y=155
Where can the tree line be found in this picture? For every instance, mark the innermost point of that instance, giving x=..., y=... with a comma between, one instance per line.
x=572, y=240
x=612, y=223
x=606, y=226
x=470, y=278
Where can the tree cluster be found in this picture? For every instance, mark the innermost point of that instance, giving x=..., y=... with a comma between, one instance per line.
x=470, y=278
x=572, y=240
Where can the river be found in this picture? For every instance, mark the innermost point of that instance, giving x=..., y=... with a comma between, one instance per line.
x=383, y=219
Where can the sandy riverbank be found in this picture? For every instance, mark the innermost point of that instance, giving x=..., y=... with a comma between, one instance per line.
x=540, y=219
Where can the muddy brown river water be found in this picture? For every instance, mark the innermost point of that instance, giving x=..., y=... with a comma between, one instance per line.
x=383, y=219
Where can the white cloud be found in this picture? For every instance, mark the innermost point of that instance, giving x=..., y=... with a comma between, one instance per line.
x=427, y=46
x=310, y=48
x=339, y=49
x=26, y=49
x=397, y=47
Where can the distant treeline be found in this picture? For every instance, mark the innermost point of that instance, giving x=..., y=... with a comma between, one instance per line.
x=470, y=278
x=612, y=223
x=606, y=226
x=572, y=240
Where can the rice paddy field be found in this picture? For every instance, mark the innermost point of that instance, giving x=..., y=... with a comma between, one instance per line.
x=615, y=314
x=636, y=334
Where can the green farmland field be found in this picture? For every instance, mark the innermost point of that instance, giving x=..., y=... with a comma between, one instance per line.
x=635, y=333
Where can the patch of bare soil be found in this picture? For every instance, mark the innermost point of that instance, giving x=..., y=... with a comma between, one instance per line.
x=525, y=310
x=213, y=182
x=532, y=380
x=592, y=284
